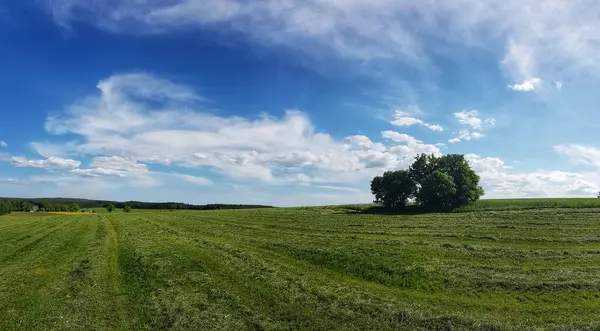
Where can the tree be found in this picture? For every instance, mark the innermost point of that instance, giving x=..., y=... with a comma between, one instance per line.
x=5, y=207
x=47, y=206
x=443, y=182
x=437, y=191
x=393, y=188
x=26, y=206
x=74, y=207
x=127, y=208
x=110, y=208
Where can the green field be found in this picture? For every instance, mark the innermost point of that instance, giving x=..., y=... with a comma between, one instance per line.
x=319, y=268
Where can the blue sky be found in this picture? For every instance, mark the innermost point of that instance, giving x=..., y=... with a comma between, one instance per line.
x=294, y=103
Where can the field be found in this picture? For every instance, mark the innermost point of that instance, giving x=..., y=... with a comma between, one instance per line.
x=318, y=268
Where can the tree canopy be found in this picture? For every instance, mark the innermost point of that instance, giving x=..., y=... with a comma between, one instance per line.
x=127, y=208
x=110, y=208
x=432, y=182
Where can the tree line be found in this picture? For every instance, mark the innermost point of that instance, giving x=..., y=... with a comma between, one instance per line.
x=75, y=205
x=181, y=206
x=431, y=183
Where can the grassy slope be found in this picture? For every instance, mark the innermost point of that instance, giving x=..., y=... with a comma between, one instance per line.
x=300, y=268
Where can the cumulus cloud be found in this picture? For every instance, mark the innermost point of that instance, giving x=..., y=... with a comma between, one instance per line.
x=3, y=144
x=471, y=118
x=475, y=124
x=49, y=163
x=500, y=181
x=403, y=118
x=176, y=131
x=527, y=85
x=411, y=147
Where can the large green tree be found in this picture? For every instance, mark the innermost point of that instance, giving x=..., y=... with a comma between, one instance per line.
x=432, y=182
x=393, y=189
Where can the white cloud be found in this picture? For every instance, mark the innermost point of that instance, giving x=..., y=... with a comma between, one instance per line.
x=97, y=172
x=112, y=166
x=477, y=125
x=412, y=147
x=527, y=85
x=176, y=132
x=194, y=179
x=471, y=118
x=500, y=182
x=360, y=141
x=119, y=164
x=434, y=127
x=553, y=36
x=467, y=135
x=399, y=137
x=558, y=85
x=480, y=164
x=579, y=154
x=3, y=144
x=49, y=163
x=403, y=118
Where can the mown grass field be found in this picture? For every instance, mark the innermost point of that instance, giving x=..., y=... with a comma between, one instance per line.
x=320, y=268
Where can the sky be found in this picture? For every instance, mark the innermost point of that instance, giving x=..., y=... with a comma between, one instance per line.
x=291, y=103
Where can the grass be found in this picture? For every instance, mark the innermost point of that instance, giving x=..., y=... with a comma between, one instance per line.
x=318, y=268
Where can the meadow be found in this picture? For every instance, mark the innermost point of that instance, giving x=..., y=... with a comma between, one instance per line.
x=317, y=268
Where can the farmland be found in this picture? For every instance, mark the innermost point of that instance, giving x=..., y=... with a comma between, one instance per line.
x=502, y=265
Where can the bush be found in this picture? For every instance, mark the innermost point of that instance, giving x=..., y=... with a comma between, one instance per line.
x=110, y=208
x=127, y=209
x=438, y=183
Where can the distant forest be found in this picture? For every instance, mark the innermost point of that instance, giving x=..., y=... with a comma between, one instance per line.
x=64, y=204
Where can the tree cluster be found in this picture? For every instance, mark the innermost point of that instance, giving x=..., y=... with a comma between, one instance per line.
x=433, y=183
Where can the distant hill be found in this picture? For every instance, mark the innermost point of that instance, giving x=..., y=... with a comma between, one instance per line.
x=88, y=203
